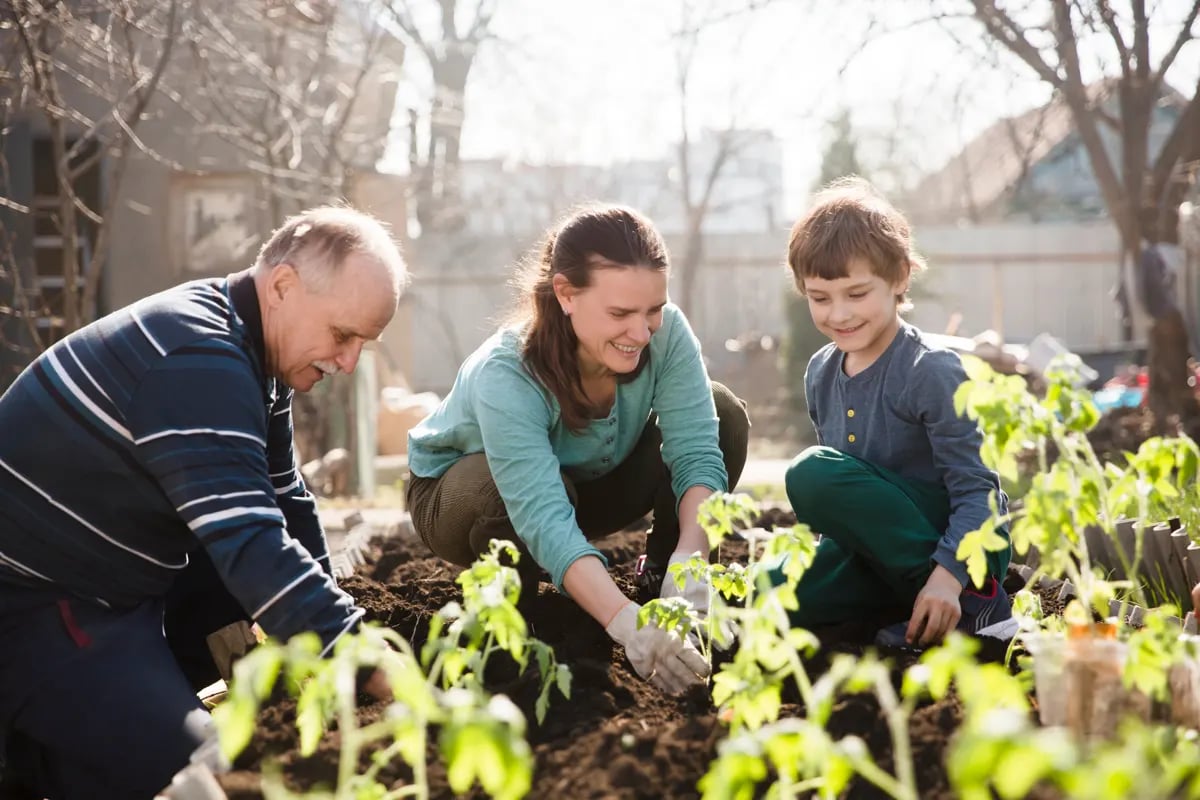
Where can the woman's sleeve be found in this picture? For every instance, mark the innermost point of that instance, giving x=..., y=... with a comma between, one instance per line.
x=687, y=416
x=514, y=419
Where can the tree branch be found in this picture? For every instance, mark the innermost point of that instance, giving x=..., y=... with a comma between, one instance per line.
x=1005, y=30
x=1109, y=17
x=1184, y=36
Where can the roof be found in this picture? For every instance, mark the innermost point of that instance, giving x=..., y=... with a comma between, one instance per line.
x=975, y=182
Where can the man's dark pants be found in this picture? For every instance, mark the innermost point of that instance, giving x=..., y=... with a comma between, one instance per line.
x=96, y=702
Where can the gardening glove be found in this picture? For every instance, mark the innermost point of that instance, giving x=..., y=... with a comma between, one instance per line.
x=696, y=592
x=229, y=644
x=659, y=656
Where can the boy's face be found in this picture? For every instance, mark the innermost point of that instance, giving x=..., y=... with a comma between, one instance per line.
x=858, y=312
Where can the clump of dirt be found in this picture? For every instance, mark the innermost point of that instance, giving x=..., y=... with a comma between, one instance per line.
x=772, y=517
x=617, y=736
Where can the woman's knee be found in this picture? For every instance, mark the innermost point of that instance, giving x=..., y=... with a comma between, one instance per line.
x=734, y=430
x=459, y=514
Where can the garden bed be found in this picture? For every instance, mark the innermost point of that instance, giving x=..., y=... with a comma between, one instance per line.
x=617, y=736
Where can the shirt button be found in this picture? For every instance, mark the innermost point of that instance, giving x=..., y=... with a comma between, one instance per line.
x=850, y=412
x=850, y=438
x=605, y=460
x=609, y=440
x=612, y=421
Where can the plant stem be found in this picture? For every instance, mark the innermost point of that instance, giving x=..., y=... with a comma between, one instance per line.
x=871, y=772
x=897, y=720
x=347, y=729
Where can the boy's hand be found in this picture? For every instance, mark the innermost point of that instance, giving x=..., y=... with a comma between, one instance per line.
x=937, y=609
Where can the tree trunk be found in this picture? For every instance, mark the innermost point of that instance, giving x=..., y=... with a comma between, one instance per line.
x=1171, y=399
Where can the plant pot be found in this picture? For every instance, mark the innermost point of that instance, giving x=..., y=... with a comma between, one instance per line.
x=1161, y=577
x=1179, y=545
x=1096, y=700
x=1174, y=564
x=1193, y=562
x=1048, y=680
x=1032, y=557
x=1184, y=680
x=1123, y=548
x=1099, y=552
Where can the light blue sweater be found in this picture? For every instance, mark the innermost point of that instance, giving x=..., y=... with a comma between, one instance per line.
x=498, y=408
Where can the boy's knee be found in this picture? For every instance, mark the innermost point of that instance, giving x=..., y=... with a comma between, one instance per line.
x=809, y=476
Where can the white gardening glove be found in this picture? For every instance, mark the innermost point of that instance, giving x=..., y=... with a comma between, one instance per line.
x=659, y=656
x=696, y=592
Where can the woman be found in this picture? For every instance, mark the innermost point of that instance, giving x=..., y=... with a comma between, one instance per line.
x=592, y=408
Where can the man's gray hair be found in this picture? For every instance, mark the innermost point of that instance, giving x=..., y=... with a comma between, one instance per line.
x=318, y=241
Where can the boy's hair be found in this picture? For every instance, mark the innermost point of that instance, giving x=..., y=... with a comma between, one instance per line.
x=851, y=219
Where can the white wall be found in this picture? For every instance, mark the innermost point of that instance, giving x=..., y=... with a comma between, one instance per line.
x=1021, y=280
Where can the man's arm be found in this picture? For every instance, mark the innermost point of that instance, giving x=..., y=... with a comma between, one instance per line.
x=199, y=420
x=298, y=505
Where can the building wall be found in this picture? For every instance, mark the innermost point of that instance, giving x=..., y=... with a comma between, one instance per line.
x=1020, y=280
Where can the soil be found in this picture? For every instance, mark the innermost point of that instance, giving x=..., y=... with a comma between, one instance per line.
x=617, y=736
x=1122, y=430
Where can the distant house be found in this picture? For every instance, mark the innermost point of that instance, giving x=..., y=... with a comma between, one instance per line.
x=518, y=198
x=1029, y=168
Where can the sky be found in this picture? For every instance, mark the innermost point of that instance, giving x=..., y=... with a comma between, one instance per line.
x=593, y=82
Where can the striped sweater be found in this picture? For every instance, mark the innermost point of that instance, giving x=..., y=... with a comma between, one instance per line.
x=152, y=432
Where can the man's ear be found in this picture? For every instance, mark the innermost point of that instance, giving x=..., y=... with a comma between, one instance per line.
x=282, y=279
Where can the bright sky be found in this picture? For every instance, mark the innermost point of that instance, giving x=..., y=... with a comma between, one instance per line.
x=578, y=80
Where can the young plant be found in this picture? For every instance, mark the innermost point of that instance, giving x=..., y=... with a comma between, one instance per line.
x=499, y=757
x=481, y=737
x=463, y=638
x=1074, y=492
x=748, y=689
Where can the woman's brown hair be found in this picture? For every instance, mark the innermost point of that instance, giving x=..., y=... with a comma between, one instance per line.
x=597, y=237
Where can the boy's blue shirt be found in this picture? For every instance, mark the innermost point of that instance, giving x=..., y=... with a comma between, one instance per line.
x=499, y=408
x=898, y=413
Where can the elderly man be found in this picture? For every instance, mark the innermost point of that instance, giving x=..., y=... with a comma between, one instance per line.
x=146, y=468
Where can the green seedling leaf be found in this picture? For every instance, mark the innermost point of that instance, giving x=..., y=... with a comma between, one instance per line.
x=974, y=549
x=733, y=775
x=672, y=614
x=723, y=513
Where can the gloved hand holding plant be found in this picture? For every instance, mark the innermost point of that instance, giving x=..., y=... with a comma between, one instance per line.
x=660, y=656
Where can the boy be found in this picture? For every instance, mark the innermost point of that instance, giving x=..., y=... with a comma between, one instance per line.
x=896, y=480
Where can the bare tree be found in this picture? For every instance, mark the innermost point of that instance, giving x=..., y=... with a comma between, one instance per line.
x=699, y=177
x=448, y=35
x=117, y=51
x=293, y=87
x=1141, y=190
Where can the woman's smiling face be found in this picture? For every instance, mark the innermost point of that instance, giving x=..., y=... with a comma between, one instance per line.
x=614, y=317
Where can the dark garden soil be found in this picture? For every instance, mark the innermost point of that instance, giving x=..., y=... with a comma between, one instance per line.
x=1123, y=430
x=617, y=736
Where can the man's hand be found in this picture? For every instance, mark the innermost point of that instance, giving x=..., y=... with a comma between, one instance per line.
x=377, y=686
x=1196, y=599
x=937, y=609
x=659, y=656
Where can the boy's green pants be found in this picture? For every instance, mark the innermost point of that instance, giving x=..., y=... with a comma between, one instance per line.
x=879, y=532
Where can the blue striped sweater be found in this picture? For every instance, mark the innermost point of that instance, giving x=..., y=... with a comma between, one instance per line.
x=150, y=433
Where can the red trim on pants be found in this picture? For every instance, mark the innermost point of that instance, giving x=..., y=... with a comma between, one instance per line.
x=77, y=634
